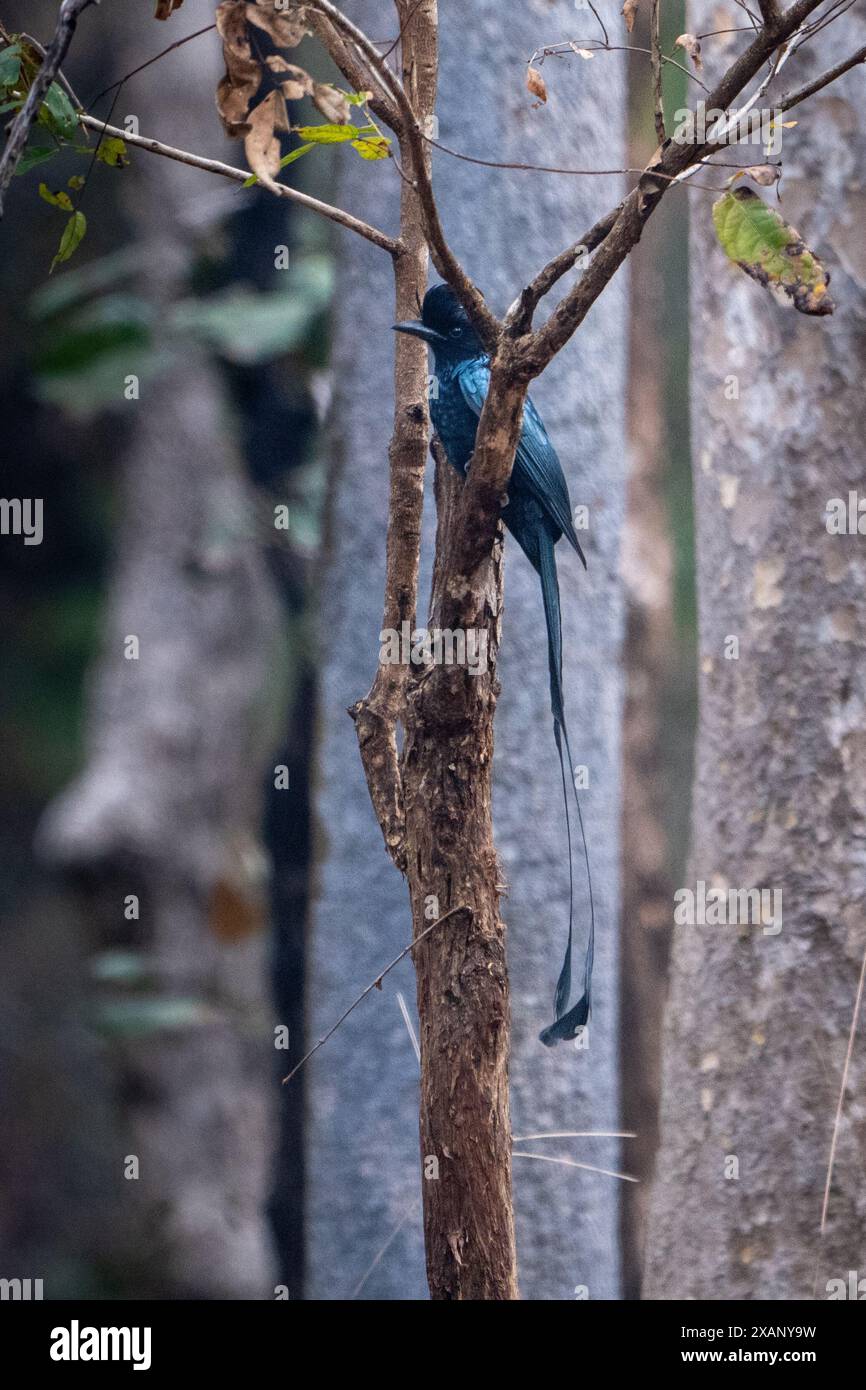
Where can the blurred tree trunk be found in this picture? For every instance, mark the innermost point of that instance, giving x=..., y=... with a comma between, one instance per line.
x=167, y=804
x=646, y=846
x=757, y=1024
x=364, y=1229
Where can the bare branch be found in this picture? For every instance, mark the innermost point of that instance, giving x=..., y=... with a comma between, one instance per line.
x=770, y=14
x=656, y=43
x=375, y=984
x=227, y=171
x=359, y=75
x=378, y=714
x=67, y=22
x=669, y=161
x=791, y=99
x=519, y=318
x=443, y=257
x=562, y=50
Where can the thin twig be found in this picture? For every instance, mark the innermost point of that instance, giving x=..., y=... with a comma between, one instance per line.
x=227, y=171
x=596, y=46
x=572, y=1163
x=410, y=1027
x=374, y=984
x=162, y=54
x=577, y=1134
x=67, y=21
x=842, y=1087
x=407, y=1216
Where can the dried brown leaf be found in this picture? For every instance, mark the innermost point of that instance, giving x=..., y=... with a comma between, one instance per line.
x=332, y=104
x=166, y=8
x=629, y=10
x=692, y=46
x=765, y=174
x=231, y=23
x=294, y=82
x=286, y=30
x=261, y=142
x=243, y=75
x=536, y=84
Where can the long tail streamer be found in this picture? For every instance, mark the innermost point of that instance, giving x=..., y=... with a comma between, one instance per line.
x=566, y=1021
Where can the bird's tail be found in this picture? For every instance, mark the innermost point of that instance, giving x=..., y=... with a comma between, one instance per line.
x=566, y=1021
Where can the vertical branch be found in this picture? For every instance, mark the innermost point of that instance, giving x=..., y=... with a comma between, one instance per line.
x=376, y=717
x=463, y=991
x=67, y=21
x=656, y=44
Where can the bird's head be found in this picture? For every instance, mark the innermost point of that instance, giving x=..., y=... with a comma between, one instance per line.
x=444, y=324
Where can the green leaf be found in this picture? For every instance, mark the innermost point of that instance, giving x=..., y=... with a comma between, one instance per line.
x=356, y=98
x=247, y=327
x=35, y=154
x=762, y=244
x=332, y=134
x=73, y=235
x=55, y=296
x=85, y=393
x=141, y=1016
x=119, y=967
x=374, y=147
x=10, y=65
x=111, y=150
x=288, y=159
x=109, y=326
x=76, y=182
x=57, y=200
x=58, y=113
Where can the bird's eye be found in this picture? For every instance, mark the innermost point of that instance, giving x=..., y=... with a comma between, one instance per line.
x=456, y=331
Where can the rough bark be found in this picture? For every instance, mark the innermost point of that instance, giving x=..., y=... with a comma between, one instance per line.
x=462, y=976
x=362, y=1162
x=758, y=1024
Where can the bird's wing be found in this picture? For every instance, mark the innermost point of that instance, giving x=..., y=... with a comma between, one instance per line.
x=536, y=465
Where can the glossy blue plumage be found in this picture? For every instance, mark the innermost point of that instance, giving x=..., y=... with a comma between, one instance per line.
x=538, y=515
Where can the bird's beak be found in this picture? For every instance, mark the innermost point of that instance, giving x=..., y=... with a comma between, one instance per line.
x=418, y=330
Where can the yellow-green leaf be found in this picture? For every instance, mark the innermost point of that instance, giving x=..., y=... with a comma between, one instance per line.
x=112, y=150
x=73, y=235
x=372, y=147
x=762, y=244
x=57, y=200
x=330, y=134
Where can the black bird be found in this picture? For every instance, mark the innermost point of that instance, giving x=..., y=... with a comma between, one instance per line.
x=538, y=514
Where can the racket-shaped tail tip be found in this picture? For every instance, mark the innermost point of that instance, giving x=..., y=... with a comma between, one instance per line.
x=566, y=1028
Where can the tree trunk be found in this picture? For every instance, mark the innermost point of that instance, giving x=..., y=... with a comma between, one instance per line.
x=363, y=1223
x=759, y=1016
x=167, y=805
